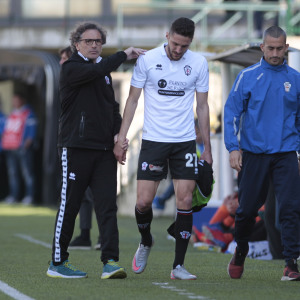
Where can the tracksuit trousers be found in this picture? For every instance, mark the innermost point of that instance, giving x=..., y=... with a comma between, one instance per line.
x=86, y=210
x=253, y=182
x=98, y=170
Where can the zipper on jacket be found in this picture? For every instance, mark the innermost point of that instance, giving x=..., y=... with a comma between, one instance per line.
x=81, y=125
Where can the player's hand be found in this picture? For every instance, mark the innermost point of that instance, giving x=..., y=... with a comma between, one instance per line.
x=207, y=156
x=133, y=53
x=125, y=144
x=235, y=159
x=119, y=152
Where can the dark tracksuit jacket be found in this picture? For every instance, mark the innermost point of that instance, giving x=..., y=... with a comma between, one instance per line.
x=88, y=122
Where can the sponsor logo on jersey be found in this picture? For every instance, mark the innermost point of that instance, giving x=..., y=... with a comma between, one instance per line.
x=187, y=70
x=144, y=166
x=171, y=93
x=175, y=88
x=176, y=85
x=162, y=83
x=155, y=168
x=185, y=235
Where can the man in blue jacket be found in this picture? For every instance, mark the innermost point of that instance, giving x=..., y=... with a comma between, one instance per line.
x=262, y=135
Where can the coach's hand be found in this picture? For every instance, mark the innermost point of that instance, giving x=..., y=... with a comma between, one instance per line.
x=133, y=53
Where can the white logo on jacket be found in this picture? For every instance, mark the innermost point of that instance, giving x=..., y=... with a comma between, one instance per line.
x=72, y=176
x=260, y=76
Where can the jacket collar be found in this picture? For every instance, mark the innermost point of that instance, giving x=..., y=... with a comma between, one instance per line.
x=99, y=58
x=266, y=65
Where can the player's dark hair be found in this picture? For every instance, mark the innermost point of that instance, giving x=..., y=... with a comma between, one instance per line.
x=183, y=26
x=81, y=28
x=275, y=32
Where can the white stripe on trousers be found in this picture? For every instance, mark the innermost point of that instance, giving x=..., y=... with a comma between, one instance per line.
x=63, y=194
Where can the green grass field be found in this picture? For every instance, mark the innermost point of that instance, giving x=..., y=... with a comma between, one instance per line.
x=26, y=233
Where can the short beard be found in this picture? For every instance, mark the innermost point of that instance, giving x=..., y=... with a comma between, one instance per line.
x=169, y=53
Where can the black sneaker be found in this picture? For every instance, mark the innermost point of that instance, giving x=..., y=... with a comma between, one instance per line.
x=80, y=244
x=291, y=271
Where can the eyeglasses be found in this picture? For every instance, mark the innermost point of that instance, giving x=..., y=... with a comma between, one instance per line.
x=90, y=42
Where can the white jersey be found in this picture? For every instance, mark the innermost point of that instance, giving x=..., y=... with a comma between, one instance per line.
x=169, y=93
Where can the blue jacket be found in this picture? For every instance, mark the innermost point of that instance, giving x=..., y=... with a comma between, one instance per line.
x=264, y=108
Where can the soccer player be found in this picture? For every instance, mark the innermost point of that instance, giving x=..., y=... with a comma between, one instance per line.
x=170, y=76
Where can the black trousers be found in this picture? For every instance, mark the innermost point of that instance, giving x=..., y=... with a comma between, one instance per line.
x=98, y=170
x=273, y=231
x=253, y=181
x=86, y=210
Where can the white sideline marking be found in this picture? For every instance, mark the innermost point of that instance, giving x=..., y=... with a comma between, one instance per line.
x=181, y=292
x=13, y=293
x=32, y=240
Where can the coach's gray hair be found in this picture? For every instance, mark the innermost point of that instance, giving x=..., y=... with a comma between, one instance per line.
x=81, y=28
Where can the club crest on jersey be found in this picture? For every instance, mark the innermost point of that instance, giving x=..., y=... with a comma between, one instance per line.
x=187, y=70
x=185, y=235
x=287, y=86
x=144, y=166
x=155, y=168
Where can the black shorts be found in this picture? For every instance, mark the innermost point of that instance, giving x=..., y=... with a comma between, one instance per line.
x=156, y=157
